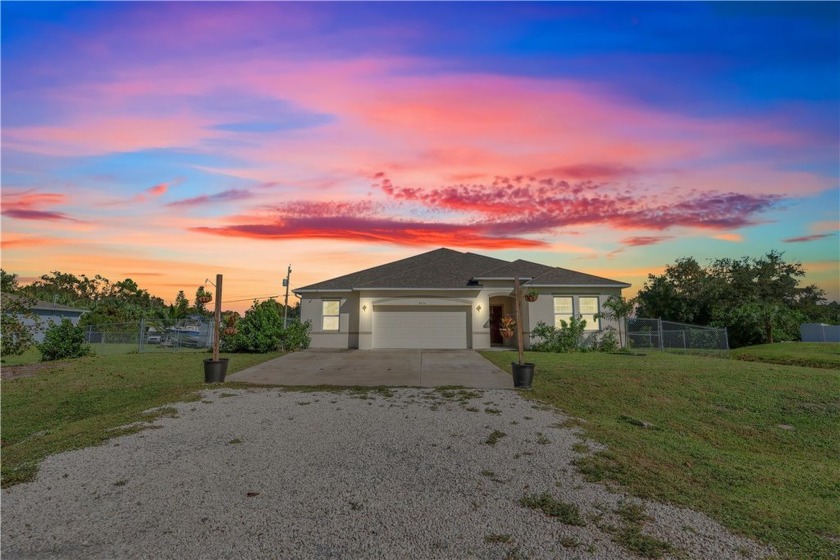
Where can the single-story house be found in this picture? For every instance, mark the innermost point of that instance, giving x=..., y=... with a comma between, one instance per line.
x=45, y=313
x=446, y=299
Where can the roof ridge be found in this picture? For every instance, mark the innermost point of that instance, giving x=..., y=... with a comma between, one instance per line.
x=416, y=267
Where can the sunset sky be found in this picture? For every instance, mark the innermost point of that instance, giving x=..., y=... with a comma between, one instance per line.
x=168, y=142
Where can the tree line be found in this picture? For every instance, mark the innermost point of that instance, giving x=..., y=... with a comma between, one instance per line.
x=110, y=306
x=758, y=300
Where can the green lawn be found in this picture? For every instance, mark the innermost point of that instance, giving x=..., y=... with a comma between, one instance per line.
x=33, y=356
x=77, y=403
x=809, y=354
x=753, y=445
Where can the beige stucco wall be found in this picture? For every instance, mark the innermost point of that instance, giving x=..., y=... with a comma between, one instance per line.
x=348, y=330
x=356, y=311
x=543, y=308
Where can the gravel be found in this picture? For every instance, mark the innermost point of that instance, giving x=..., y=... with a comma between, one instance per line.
x=405, y=473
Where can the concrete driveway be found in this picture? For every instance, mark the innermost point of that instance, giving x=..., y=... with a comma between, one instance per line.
x=395, y=368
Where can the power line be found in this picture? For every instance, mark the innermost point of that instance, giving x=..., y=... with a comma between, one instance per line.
x=250, y=299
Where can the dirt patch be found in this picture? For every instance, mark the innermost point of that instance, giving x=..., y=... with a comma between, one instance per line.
x=28, y=370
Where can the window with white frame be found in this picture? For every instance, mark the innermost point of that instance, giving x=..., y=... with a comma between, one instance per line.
x=562, y=309
x=330, y=314
x=588, y=309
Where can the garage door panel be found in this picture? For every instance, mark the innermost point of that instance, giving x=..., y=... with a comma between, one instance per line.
x=402, y=327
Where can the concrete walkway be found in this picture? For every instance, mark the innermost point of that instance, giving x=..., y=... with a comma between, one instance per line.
x=394, y=368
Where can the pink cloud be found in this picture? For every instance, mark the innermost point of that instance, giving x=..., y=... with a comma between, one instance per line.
x=224, y=196
x=158, y=190
x=806, y=238
x=546, y=204
x=26, y=206
x=644, y=240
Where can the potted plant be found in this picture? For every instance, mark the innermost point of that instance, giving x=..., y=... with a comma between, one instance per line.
x=203, y=295
x=523, y=373
x=230, y=325
x=531, y=295
x=507, y=325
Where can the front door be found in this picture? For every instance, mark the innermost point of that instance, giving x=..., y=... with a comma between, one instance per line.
x=496, y=312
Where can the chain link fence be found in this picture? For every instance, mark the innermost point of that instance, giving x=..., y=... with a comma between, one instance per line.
x=141, y=336
x=656, y=334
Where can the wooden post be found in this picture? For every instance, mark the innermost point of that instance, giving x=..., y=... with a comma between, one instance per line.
x=517, y=293
x=218, y=318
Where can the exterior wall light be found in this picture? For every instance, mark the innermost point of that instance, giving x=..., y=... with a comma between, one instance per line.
x=364, y=308
x=478, y=307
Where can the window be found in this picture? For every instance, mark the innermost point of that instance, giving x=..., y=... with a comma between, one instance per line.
x=588, y=307
x=562, y=309
x=330, y=317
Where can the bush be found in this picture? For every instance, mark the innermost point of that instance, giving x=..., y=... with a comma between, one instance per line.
x=261, y=331
x=64, y=340
x=296, y=336
x=608, y=341
x=568, y=338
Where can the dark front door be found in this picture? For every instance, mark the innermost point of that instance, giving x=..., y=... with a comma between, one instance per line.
x=496, y=312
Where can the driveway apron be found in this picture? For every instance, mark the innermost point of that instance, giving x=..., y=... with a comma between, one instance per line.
x=394, y=368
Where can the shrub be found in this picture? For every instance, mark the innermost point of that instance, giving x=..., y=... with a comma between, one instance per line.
x=296, y=336
x=261, y=330
x=64, y=340
x=608, y=341
x=568, y=338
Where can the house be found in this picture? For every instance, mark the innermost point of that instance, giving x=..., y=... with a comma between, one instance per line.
x=45, y=313
x=446, y=299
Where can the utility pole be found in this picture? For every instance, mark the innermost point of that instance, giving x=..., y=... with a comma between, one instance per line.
x=286, y=301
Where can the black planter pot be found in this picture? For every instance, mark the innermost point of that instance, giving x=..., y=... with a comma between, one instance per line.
x=215, y=370
x=522, y=375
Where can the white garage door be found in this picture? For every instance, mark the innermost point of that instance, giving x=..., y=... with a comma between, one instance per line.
x=426, y=327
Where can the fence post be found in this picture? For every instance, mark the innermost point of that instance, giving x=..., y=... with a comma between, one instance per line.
x=142, y=338
x=659, y=329
x=684, y=346
x=726, y=337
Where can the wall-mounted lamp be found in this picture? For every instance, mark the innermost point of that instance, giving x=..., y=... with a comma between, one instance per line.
x=478, y=307
x=364, y=308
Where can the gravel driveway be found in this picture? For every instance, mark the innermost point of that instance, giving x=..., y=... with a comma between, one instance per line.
x=405, y=473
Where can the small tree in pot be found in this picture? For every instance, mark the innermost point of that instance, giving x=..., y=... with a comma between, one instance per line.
x=523, y=373
x=215, y=368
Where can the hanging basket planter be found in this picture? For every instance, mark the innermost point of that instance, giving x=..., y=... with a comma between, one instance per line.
x=531, y=296
x=205, y=299
x=230, y=331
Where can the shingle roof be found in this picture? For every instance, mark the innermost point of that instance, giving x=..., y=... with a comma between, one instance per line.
x=447, y=269
x=564, y=277
x=516, y=269
x=41, y=305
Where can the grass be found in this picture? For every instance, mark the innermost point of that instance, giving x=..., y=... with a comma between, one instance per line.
x=716, y=441
x=78, y=403
x=562, y=511
x=808, y=354
x=33, y=356
x=494, y=437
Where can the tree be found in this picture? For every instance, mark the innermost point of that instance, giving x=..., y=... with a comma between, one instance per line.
x=15, y=334
x=261, y=330
x=756, y=299
x=685, y=292
x=64, y=340
x=617, y=308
